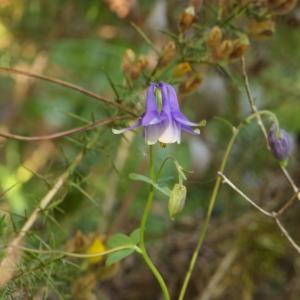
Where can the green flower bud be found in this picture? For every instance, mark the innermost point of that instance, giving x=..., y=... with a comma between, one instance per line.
x=177, y=200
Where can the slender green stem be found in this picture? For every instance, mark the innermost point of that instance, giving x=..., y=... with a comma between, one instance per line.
x=214, y=194
x=143, y=251
x=78, y=255
x=212, y=201
x=261, y=124
x=261, y=113
x=181, y=177
x=163, y=164
x=149, y=200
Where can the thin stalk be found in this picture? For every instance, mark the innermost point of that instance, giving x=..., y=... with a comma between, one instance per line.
x=78, y=255
x=143, y=251
x=71, y=86
x=61, y=133
x=211, y=205
x=212, y=200
x=261, y=124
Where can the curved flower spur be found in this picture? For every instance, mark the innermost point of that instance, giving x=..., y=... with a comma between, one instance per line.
x=162, y=119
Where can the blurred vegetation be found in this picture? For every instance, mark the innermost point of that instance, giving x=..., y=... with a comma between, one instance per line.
x=115, y=48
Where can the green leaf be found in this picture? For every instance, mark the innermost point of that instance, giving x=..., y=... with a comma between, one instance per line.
x=135, y=236
x=139, y=177
x=118, y=240
x=117, y=256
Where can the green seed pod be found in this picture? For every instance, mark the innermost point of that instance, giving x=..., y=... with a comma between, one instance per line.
x=177, y=200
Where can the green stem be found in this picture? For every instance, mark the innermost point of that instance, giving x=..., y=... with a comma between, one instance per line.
x=163, y=164
x=261, y=113
x=214, y=194
x=212, y=201
x=79, y=255
x=143, y=252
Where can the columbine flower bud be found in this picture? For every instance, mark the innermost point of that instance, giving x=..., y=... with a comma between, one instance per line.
x=177, y=199
x=187, y=18
x=279, y=143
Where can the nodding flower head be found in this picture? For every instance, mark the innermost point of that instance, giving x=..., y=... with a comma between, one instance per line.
x=279, y=143
x=162, y=119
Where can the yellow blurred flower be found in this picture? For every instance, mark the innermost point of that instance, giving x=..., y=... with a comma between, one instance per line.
x=181, y=69
x=261, y=29
x=187, y=18
x=97, y=246
x=214, y=37
x=191, y=83
x=168, y=54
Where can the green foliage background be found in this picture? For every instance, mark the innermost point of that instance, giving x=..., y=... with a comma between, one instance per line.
x=63, y=39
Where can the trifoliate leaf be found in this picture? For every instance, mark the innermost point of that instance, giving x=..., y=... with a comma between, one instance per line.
x=139, y=177
x=117, y=256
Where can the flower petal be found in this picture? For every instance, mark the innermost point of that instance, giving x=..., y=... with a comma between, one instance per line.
x=151, y=114
x=150, y=118
x=183, y=120
x=190, y=130
x=170, y=103
x=173, y=100
x=171, y=132
x=119, y=131
x=152, y=133
x=166, y=104
x=151, y=103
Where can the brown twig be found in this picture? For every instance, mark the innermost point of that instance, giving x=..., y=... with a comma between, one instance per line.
x=70, y=86
x=228, y=182
x=287, y=204
x=62, y=133
x=272, y=215
x=252, y=102
x=286, y=234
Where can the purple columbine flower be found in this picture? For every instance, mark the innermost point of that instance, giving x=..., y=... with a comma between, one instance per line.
x=163, y=121
x=279, y=143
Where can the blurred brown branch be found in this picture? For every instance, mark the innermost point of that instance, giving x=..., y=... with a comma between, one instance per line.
x=70, y=86
x=62, y=133
x=214, y=283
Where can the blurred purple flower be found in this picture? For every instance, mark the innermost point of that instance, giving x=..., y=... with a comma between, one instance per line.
x=162, y=125
x=279, y=143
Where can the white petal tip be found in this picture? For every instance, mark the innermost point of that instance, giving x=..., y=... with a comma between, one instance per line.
x=117, y=131
x=197, y=131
